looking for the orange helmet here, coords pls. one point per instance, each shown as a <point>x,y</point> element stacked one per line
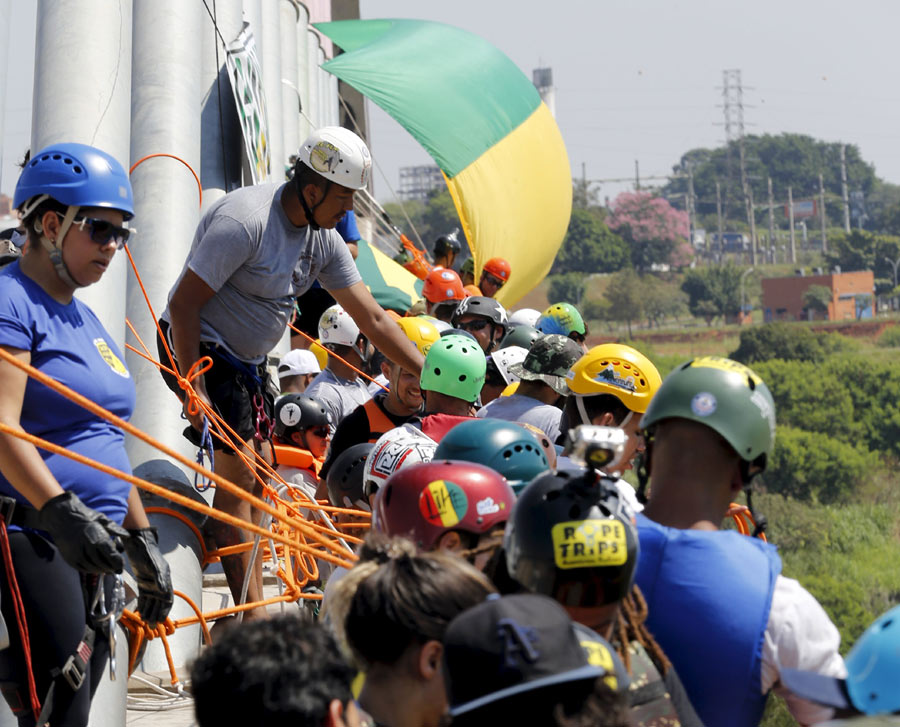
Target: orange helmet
<point>472,290</point>
<point>498,267</point>
<point>443,285</point>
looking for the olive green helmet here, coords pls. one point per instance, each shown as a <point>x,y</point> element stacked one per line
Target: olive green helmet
<point>724,395</point>
<point>455,366</point>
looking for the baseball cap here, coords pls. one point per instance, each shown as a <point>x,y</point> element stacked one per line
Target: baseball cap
<point>510,645</point>
<point>873,673</point>
<point>599,652</point>
<point>549,360</point>
<point>298,361</point>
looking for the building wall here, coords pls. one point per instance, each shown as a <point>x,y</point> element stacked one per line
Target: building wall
<point>782,298</point>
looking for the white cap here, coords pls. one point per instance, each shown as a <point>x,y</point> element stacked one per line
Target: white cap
<point>298,362</point>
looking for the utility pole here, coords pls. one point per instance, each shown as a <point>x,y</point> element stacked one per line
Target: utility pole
<point>637,176</point>
<point>822,213</point>
<point>844,194</point>
<point>733,110</point>
<point>791,218</point>
<point>752,218</point>
<point>721,228</point>
<point>772,242</point>
<point>690,203</point>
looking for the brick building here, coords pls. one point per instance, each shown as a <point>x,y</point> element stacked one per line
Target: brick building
<point>852,296</point>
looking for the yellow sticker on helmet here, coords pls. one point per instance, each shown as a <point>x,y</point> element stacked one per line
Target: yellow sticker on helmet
<point>589,543</point>
<point>725,364</point>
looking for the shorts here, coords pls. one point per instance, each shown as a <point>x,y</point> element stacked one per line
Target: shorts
<point>230,391</point>
<point>310,307</point>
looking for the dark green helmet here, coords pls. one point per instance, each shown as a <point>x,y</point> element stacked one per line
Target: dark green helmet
<point>724,395</point>
<point>505,447</point>
<point>520,335</point>
<point>572,537</point>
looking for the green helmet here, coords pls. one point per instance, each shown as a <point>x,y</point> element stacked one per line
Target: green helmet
<point>505,447</point>
<point>468,266</point>
<point>562,318</point>
<point>455,366</point>
<point>724,395</point>
<point>519,335</point>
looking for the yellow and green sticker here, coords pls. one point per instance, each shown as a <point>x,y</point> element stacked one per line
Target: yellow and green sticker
<point>111,359</point>
<point>589,543</point>
<point>443,503</point>
<point>726,364</point>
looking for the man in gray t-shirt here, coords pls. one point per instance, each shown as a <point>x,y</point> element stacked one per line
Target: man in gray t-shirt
<point>255,251</point>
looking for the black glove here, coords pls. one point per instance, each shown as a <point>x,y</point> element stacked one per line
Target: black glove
<point>87,540</point>
<point>152,573</point>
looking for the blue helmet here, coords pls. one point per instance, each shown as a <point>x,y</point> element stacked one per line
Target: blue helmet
<point>75,175</point>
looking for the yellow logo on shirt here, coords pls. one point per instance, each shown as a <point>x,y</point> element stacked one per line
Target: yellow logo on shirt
<point>111,359</point>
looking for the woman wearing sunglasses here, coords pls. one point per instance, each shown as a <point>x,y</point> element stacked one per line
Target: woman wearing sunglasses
<point>66,524</point>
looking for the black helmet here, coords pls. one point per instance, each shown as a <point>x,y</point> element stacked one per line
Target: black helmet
<point>520,335</point>
<point>479,305</point>
<point>572,537</point>
<point>296,412</point>
<point>447,243</point>
<point>345,478</point>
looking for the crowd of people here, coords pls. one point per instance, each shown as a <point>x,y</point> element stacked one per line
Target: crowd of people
<point>511,575</point>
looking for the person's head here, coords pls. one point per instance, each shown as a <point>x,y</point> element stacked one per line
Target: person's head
<point>73,200</point>
<point>548,362</point>
<point>506,447</point>
<point>274,671</point>
<point>400,447</point>
<point>446,248</point>
<point>404,392</point>
<point>612,386</point>
<point>524,317</point>
<point>494,275</point>
<point>520,334</point>
<point>564,319</point>
<point>345,480</point>
<point>446,505</point>
<point>572,537</point>
<point>392,609</point>
<point>520,656</point>
<point>301,421</point>
<point>339,334</point>
<point>498,375</point>
<point>484,318</point>
<point>332,164</point>
<point>726,412</point>
<point>454,367</point>
<point>297,369</point>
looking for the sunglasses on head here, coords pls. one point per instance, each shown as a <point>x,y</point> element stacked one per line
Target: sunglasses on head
<point>102,231</point>
<point>475,325</point>
<point>320,432</point>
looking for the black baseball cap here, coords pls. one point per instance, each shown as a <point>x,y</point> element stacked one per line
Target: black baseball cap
<point>509,645</point>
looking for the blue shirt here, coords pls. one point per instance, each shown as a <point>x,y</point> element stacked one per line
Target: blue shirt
<point>68,343</point>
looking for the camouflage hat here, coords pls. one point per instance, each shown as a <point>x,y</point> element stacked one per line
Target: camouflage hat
<point>549,360</point>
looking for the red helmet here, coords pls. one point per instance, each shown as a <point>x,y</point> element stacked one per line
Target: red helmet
<point>443,285</point>
<point>498,267</point>
<point>424,501</point>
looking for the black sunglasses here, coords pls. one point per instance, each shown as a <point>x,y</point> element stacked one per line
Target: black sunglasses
<point>320,432</point>
<point>475,325</point>
<point>102,231</point>
<point>495,280</point>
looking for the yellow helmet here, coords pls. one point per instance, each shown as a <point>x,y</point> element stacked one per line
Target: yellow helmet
<point>420,332</point>
<point>623,372</point>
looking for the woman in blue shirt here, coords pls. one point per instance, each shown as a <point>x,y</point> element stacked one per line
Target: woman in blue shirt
<point>67,523</point>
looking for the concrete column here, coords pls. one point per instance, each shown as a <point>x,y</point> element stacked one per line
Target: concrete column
<point>313,106</point>
<point>253,16</point>
<point>166,86</point>
<point>303,70</point>
<point>324,113</point>
<point>82,93</point>
<point>290,104</point>
<point>335,101</point>
<point>221,147</point>
<point>270,60</point>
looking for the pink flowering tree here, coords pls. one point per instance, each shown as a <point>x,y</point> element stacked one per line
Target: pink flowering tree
<point>652,227</point>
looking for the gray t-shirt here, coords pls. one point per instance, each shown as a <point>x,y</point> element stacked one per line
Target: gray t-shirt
<point>258,262</point>
<point>525,410</point>
<point>338,396</point>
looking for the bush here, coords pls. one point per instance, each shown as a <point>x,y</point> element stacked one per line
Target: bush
<point>567,288</point>
<point>778,340</point>
<point>890,338</point>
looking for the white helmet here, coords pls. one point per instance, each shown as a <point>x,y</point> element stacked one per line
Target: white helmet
<point>524,316</point>
<point>396,448</point>
<point>506,357</point>
<point>339,155</point>
<point>337,327</point>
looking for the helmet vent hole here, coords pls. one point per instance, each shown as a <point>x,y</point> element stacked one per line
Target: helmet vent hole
<point>77,170</point>
<point>67,161</point>
<point>462,377</point>
<point>45,157</point>
<point>751,383</point>
<point>551,496</point>
<point>57,157</point>
<point>887,624</point>
<point>518,448</point>
<point>643,383</point>
<point>507,454</point>
<point>437,371</point>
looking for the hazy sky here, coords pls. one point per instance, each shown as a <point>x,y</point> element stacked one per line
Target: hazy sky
<point>636,79</point>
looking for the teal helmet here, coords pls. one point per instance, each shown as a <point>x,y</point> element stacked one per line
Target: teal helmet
<point>505,447</point>
<point>454,366</point>
<point>726,396</point>
<point>561,318</point>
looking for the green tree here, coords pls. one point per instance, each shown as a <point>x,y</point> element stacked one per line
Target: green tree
<point>786,341</point>
<point>624,295</point>
<point>590,246</point>
<point>863,250</point>
<point>817,298</point>
<point>713,291</point>
<point>662,300</point>
<point>440,217</point>
<point>567,288</point>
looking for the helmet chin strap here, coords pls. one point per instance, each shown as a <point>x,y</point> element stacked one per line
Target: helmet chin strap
<point>54,248</point>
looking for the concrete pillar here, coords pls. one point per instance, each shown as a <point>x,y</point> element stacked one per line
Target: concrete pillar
<point>335,101</point>
<point>290,103</point>
<point>313,106</point>
<point>82,93</point>
<point>166,86</point>
<point>221,147</point>
<point>303,70</point>
<point>253,16</point>
<point>324,114</point>
<point>270,60</point>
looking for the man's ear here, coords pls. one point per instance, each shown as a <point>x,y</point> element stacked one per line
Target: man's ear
<point>450,541</point>
<point>430,659</point>
<point>606,419</point>
<point>386,369</point>
<point>335,715</point>
<point>313,194</point>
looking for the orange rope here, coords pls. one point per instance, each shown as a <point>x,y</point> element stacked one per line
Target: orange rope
<point>177,159</point>
<point>743,520</point>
